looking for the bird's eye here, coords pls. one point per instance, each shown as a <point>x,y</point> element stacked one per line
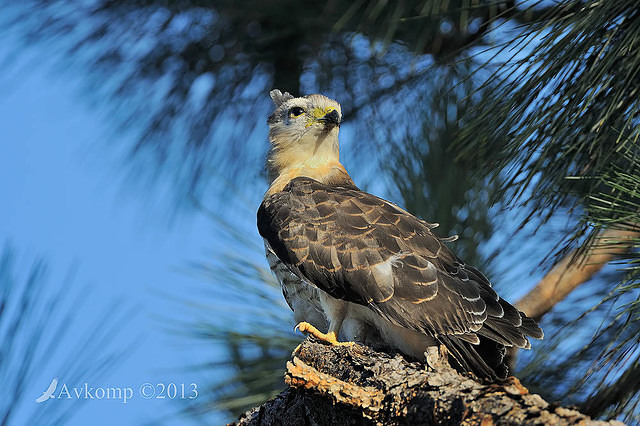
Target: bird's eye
<point>296,112</point>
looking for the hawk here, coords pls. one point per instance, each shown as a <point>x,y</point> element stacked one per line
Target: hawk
<point>363,269</point>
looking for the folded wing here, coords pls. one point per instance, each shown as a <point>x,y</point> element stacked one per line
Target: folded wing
<point>363,249</point>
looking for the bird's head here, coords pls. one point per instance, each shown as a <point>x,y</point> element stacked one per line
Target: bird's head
<point>303,132</point>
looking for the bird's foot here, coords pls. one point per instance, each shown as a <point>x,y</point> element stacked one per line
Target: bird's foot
<point>329,337</point>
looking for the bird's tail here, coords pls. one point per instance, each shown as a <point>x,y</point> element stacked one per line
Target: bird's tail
<point>485,360</point>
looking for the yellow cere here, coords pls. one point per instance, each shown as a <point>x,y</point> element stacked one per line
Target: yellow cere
<point>317,113</point>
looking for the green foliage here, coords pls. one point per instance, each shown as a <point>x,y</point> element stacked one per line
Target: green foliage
<point>559,120</point>
<point>563,125</point>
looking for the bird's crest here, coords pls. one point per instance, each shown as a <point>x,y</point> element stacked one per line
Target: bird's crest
<point>279,98</point>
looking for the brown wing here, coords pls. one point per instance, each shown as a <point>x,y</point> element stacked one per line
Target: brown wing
<point>360,248</point>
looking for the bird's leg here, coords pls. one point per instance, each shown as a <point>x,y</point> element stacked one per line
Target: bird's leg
<point>335,310</point>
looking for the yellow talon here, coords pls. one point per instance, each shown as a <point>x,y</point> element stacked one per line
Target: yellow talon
<point>329,337</point>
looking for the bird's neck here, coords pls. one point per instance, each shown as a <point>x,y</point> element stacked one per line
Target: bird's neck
<point>329,173</point>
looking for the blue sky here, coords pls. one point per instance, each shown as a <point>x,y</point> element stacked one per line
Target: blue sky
<point>63,199</point>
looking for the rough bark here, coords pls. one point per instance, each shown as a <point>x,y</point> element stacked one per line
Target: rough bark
<point>574,270</point>
<point>338,385</point>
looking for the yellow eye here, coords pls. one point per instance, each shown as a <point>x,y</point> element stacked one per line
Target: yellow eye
<point>296,112</point>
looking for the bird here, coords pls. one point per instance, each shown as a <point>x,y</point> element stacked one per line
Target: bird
<point>354,267</point>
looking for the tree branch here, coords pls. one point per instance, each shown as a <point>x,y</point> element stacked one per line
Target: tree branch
<point>336,385</point>
<point>575,269</point>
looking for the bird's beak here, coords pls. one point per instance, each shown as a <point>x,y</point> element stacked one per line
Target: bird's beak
<point>330,119</point>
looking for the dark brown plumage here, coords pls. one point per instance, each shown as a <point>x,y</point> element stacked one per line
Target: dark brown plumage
<point>365,250</point>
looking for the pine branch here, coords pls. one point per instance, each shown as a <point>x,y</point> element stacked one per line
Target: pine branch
<point>332,385</point>
<point>626,385</point>
<point>575,269</point>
